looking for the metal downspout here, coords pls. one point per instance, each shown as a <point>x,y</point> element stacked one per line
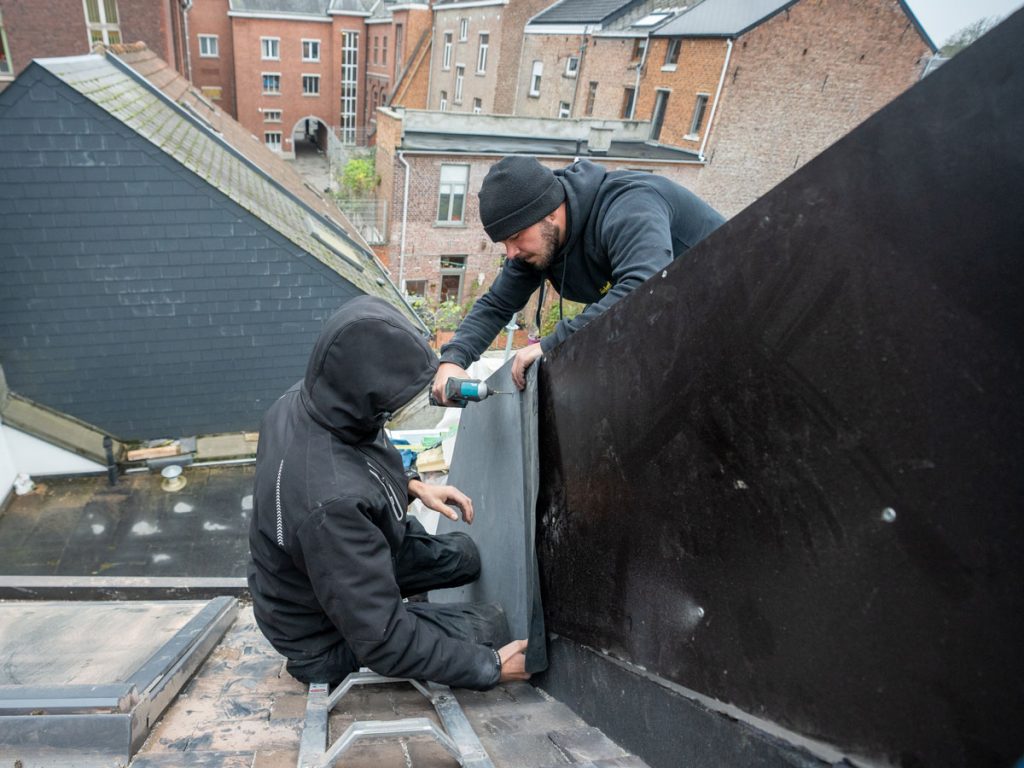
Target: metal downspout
<point>639,70</point>
<point>714,107</point>
<point>405,216</point>
<point>186,6</point>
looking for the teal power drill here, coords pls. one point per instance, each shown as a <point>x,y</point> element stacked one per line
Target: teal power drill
<point>460,392</point>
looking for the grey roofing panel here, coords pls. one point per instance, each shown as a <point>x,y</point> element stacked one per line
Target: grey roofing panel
<point>722,18</point>
<point>581,11</point>
<point>527,145</point>
<point>305,7</point>
<point>351,6</point>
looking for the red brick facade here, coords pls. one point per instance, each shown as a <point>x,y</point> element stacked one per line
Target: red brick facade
<point>38,30</point>
<point>214,75</point>
<point>254,101</point>
<point>799,82</point>
<point>411,88</point>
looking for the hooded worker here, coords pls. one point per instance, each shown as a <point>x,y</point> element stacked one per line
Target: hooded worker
<point>333,551</point>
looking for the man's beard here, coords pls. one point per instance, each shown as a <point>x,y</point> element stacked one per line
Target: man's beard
<point>549,235</point>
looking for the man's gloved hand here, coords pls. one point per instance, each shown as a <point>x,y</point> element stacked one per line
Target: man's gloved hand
<point>444,372</point>
<point>441,498</point>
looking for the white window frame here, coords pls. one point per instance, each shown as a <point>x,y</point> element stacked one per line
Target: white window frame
<point>481,55</point>
<point>460,79</point>
<point>443,105</point>
<point>463,29</point>
<point>310,79</point>
<point>7,70</point>
<point>564,109</point>
<point>311,45</point>
<point>478,106</point>
<point>209,47</point>
<point>675,44</point>
<point>269,141</point>
<point>270,48</point>
<point>454,187</point>
<point>700,107</point>
<point>536,75</point>
<point>446,55</point>
<point>572,66</point>
<point>271,115</point>
<point>263,78</point>
<point>104,28</point>
<point>349,85</point>
<point>456,267</point>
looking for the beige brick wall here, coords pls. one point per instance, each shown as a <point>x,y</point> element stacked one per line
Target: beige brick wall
<point>798,83</point>
<point>553,51</point>
<point>487,20</point>
<point>608,61</point>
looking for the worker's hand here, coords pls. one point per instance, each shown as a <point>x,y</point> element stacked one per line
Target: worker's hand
<point>524,359</point>
<point>444,372</point>
<point>513,661</point>
<point>441,498</point>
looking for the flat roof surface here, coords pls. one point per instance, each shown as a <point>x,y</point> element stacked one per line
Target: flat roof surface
<point>82,526</point>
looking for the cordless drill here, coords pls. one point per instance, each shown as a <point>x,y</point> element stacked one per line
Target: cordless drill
<point>460,392</point>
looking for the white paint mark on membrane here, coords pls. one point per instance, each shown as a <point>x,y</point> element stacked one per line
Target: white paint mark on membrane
<point>98,529</point>
<point>208,526</point>
<point>144,529</point>
<point>182,507</point>
<point>161,558</point>
<point>247,502</point>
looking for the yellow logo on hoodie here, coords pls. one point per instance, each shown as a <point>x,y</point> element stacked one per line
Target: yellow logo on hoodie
<point>605,288</point>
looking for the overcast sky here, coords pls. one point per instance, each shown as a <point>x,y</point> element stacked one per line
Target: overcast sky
<point>942,18</point>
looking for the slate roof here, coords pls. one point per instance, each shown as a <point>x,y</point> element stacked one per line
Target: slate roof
<point>731,18</point>
<point>583,11</point>
<point>723,18</point>
<point>301,7</point>
<point>224,154</point>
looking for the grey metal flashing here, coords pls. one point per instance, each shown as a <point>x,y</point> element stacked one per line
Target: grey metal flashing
<point>104,724</point>
<point>584,12</point>
<point>120,587</point>
<point>57,428</point>
<point>465,144</point>
<point>917,25</point>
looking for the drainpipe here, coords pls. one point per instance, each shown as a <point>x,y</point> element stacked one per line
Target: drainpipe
<point>714,107</point>
<point>186,6</point>
<point>405,216</point>
<point>639,70</point>
<point>579,68</point>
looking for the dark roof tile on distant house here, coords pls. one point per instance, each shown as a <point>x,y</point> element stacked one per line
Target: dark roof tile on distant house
<point>303,7</point>
<point>583,12</point>
<point>731,18</point>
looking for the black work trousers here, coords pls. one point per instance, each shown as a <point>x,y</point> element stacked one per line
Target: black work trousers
<point>424,562</point>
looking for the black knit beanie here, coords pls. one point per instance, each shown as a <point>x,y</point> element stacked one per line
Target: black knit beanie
<point>517,193</point>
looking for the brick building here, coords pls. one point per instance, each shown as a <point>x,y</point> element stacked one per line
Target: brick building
<point>211,55</point>
<point>758,89</point>
<point>432,165</point>
<point>397,58</point>
<point>556,45</point>
<point>30,30</point>
<point>476,52</point>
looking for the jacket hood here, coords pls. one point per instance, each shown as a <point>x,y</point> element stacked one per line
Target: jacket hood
<point>581,180</point>
<point>368,362</point>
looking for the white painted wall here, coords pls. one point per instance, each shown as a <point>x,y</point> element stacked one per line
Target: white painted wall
<point>20,452</point>
<point>7,470</point>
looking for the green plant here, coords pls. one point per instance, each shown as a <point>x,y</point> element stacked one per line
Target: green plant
<point>448,315</point>
<point>554,315</point>
<point>359,176</point>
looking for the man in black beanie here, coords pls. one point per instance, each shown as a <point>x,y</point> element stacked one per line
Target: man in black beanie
<point>594,234</point>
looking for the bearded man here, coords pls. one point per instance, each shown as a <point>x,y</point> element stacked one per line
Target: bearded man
<point>594,234</point>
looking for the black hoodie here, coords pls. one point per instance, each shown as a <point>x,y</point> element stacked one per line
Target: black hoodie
<point>622,228</point>
<point>330,503</point>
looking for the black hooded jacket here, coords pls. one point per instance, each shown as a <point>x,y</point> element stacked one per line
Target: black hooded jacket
<point>622,228</point>
<point>330,503</point>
